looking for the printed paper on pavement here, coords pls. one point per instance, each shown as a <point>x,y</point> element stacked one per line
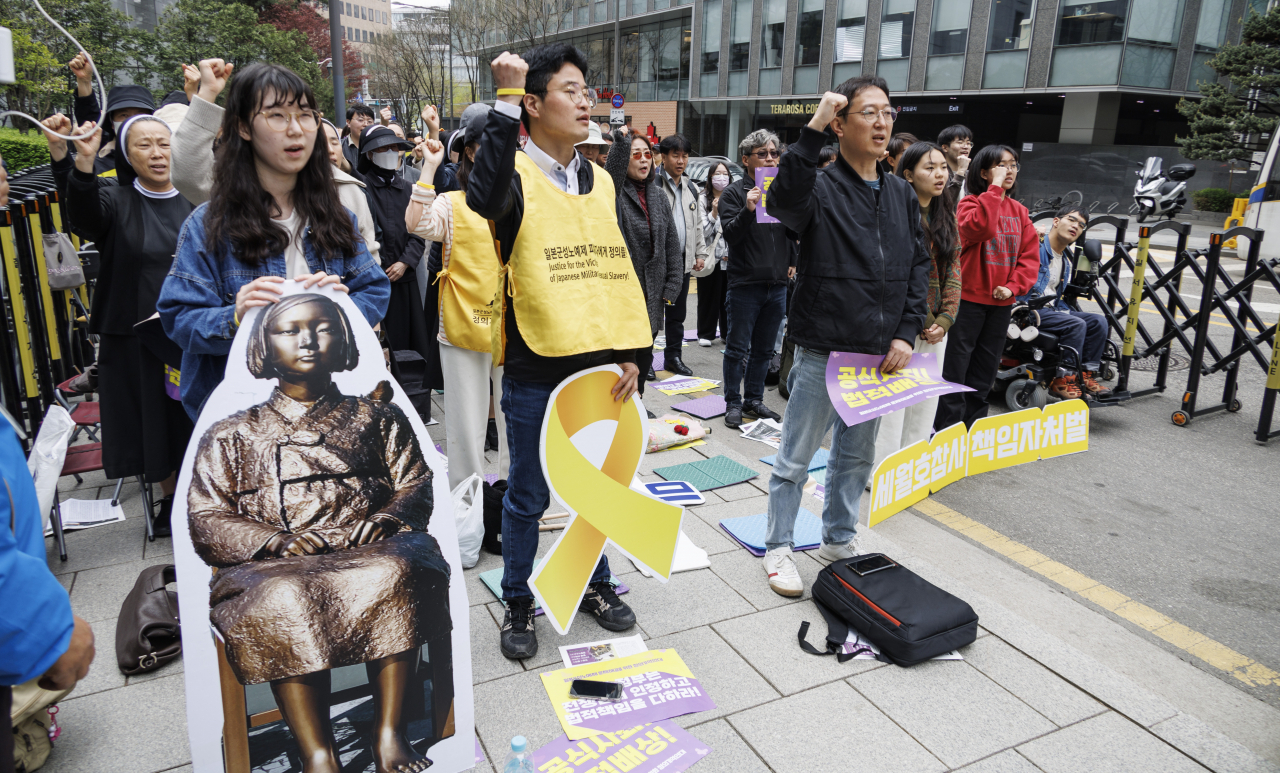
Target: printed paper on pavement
<point>656,685</point>
<point>860,392</point>
<point>661,746</point>
<point>600,651</point>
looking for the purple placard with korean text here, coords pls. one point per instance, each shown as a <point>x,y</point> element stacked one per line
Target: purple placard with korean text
<point>860,392</point>
<point>651,748</point>
<point>764,179</point>
<point>649,697</point>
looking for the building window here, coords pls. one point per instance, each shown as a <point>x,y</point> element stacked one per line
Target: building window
<point>1093,44</point>
<point>739,47</point>
<point>1151,43</point>
<point>710,66</point>
<point>851,35</point>
<point>1087,21</point>
<point>948,39</point>
<point>895,42</point>
<point>804,79</point>
<point>773,24</point>
<point>1211,33</point>
<point>348,9</point>
<point>1008,38</point>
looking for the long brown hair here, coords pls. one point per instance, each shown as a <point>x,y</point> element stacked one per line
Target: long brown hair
<point>941,234</point>
<point>240,209</point>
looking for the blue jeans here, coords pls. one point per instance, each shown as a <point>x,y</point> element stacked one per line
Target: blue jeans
<point>1082,331</point>
<point>524,403</point>
<point>755,313</point>
<point>853,450</point>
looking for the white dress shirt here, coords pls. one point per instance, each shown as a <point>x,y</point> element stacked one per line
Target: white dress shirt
<point>549,166</point>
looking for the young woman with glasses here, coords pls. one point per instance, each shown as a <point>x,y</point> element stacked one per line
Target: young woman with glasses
<point>649,228</point>
<point>999,259</point>
<point>274,214</point>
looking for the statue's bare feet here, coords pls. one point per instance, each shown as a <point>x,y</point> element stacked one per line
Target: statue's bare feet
<point>392,754</point>
<point>322,761</point>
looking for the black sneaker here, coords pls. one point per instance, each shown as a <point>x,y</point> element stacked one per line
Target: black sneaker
<point>733,417</point>
<point>761,411</point>
<point>611,612</point>
<point>491,436</point>
<point>519,639</point>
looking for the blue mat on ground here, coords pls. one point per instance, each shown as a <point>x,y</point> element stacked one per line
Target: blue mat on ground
<point>750,531</point>
<point>818,461</point>
<point>492,580</point>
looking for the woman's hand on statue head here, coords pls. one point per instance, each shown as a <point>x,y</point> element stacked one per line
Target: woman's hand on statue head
<point>321,279</point>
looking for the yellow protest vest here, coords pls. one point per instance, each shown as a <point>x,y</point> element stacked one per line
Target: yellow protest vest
<point>570,276</point>
<point>470,281</point>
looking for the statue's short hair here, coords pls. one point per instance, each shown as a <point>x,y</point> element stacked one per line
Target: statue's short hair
<point>259,359</point>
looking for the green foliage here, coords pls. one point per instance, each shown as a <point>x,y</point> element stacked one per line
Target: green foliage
<point>1227,123</point>
<point>36,84</point>
<point>20,151</point>
<point>1213,200</point>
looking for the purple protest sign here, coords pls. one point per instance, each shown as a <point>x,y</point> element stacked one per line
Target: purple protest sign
<point>860,392</point>
<point>640,749</point>
<point>764,179</point>
<point>648,697</point>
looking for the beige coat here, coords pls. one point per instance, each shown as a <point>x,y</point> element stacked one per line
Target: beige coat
<point>192,172</point>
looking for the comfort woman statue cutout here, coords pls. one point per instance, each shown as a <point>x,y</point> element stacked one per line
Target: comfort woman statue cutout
<point>317,542</point>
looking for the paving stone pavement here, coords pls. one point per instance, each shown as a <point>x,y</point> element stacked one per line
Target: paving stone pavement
<point>1020,701</point>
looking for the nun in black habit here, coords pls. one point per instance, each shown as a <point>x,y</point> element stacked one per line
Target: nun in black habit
<point>135,225</point>
<point>405,326</point>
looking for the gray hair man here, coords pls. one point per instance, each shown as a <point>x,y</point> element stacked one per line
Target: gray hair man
<point>761,258</point>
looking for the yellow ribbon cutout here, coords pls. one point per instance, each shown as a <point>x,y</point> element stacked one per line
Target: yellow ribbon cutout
<point>601,503</point>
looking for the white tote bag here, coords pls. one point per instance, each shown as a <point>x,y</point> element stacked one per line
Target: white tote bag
<point>468,510</point>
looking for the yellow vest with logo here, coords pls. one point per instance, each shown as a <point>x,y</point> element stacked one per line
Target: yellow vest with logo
<point>470,281</point>
<point>570,276</point>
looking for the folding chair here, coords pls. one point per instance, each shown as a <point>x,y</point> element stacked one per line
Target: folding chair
<point>87,457</point>
<point>87,414</point>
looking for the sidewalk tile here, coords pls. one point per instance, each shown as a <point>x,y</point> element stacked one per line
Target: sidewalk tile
<point>116,543</point>
<point>487,662</point>
<point>183,769</point>
<point>650,462</point>
<point>1058,700</point>
<point>175,666</point>
<point>98,593</point>
<point>1008,761</point>
<point>830,728</point>
<point>103,673</point>
<point>740,491</point>
<point>1103,744</point>
<point>767,640</point>
<point>729,753</point>
<point>713,514</point>
<point>584,629</point>
<point>687,600</point>
<point>729,680</point>
<point>952,709</point>
<point>710,538</point>
<point>745,573</point>
<point>1209,747</point>
<point>163,546</point>
<point>515,705</point>
<point>478,592</point>
<point>140,729</point>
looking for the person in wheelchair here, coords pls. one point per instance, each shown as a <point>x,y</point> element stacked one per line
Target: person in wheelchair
<point>1082,331</point>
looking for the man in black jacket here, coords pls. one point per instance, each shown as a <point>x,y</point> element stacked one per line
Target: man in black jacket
<point>863,280</point>
<point>760,257</point>
<point>546,91</point>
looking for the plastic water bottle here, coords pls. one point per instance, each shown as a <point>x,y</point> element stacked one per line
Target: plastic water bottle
<point>519,759</point>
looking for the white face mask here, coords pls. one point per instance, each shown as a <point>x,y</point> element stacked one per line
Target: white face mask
<point>387,159</point>
<point>720,181</point>
<point>115,125</point>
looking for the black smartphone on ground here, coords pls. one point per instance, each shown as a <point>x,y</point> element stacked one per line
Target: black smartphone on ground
<point>871,564</point>
<point>596,691</point>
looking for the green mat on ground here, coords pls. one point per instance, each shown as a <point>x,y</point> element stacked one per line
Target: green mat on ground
<point>713,473</point>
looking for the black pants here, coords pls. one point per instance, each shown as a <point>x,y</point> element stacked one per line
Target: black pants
<point>974,345</point>
<point>712,290</point>
<point>676,313</point>
<point>644,361</point>
<point>6,730</point>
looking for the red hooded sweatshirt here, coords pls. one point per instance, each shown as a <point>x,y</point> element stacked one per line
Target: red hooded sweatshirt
<point>999,247</point>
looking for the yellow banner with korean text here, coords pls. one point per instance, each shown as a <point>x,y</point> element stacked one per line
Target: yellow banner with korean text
<point>993,443</point>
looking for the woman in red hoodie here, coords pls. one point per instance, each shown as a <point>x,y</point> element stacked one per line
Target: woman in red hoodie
<point>999,259</point>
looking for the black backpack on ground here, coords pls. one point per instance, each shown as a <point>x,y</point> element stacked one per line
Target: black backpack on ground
<point>492,542</point>
<point>909,618</point>
<point>410,370</point>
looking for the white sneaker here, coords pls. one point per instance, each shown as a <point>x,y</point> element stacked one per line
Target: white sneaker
<point>784,578</point>
<point>828,553</point>
<point>660,342</point>
<point>703,342</point>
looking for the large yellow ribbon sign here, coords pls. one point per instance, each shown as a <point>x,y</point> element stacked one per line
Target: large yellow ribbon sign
<point>602,505</point>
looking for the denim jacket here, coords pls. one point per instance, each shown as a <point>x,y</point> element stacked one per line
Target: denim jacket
<point>1042,281</point>
<point>197,300</point>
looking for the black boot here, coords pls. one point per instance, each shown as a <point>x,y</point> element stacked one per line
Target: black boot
<point>651,376</point>
<point>160,525</point>
<point>491,436</point>
<point>676,365</point>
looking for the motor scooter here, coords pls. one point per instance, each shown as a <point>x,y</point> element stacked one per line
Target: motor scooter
<point>1158,194</point>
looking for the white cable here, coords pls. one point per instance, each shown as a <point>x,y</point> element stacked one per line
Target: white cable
<point>101,89</point>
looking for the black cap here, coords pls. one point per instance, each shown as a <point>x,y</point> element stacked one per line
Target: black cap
<point>121,97</point>
<point>381,138</point>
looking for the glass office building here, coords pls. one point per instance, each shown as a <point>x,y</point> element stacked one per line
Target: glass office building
<point>1098,72</point>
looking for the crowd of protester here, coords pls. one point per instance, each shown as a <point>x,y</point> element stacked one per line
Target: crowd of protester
<point>878,243</point>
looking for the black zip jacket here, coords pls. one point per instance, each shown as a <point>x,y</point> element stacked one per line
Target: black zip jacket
<point>759,253</point>
<point>863,274</point>
<point>494,192</point>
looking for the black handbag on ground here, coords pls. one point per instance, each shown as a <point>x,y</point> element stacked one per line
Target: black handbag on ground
<point>147,633</point>
<point>909,618</point>
<point>492,542</point>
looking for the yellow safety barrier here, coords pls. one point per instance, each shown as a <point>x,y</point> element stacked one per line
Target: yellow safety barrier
<point>1234,219</point>
<point>42,276</point>
<point>25,354</point>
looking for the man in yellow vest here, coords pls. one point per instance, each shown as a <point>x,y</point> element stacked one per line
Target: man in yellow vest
<point>568,295</point>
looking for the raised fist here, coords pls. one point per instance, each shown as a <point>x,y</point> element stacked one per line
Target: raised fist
<point>509,72</point>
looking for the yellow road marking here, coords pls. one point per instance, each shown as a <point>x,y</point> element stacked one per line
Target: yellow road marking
<point>1190,641</point>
